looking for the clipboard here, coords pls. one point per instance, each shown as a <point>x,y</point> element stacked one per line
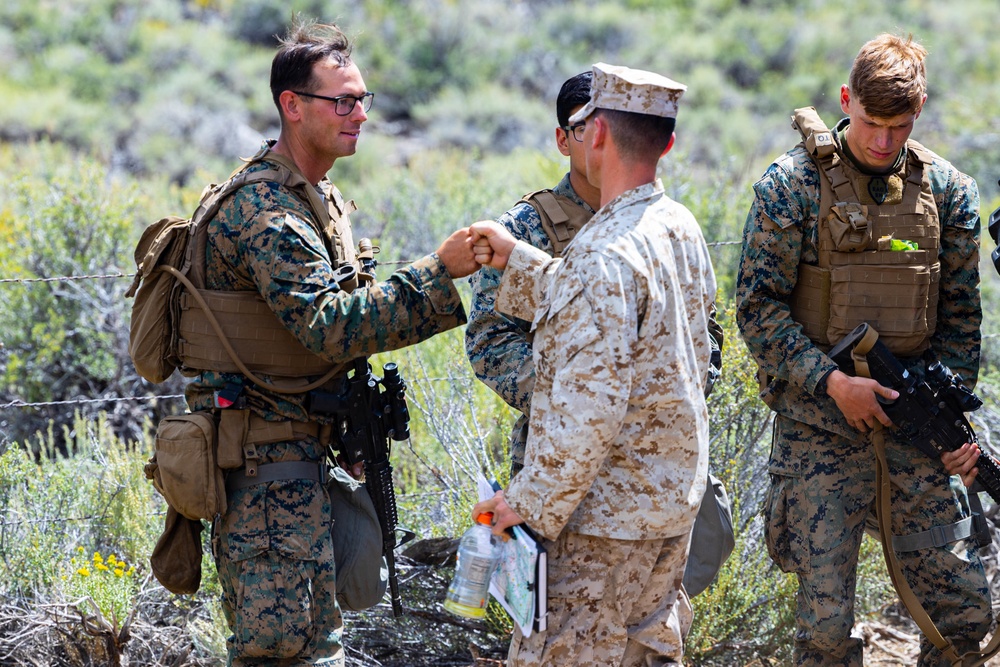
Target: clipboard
<point>520,582</point>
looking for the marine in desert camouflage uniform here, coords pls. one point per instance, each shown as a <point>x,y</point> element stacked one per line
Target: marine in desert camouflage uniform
<point>498,346</point>
<point>822,461</point>
<point>618,442</point>
<point>273,547</point>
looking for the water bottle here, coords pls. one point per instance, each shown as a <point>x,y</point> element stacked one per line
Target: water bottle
<point>478,555</point>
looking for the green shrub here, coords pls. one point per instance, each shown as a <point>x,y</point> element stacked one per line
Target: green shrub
<point>97,499</point>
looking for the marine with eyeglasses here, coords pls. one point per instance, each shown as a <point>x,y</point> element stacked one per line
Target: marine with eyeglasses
<point>290,242</point>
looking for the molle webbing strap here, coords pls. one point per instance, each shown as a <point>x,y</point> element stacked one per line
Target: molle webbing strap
<point>223,340</point>
<point>810,302</point>
<point>260,340</point>
<point>864,295</point>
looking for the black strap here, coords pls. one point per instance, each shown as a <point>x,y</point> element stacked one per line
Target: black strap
<point>271,472</point>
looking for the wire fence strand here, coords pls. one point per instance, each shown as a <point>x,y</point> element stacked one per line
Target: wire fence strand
<point>97,276</point>
<point>112,399</point>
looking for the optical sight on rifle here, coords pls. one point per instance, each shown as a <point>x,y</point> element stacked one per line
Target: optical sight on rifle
<point>929,413</point>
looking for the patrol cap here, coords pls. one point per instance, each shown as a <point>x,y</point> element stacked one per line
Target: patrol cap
<point>624,89</point>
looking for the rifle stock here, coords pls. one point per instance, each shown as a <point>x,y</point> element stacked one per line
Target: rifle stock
<point>929,413</point>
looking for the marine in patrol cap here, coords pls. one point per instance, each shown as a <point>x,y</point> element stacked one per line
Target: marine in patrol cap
<point>624,89</point>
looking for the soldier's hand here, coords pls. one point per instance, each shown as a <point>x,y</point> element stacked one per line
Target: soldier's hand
<point>357,471</point>
<point>962,462</point>
<point>856,398</point>
<point>456,254</point>
<point>503,516</point>
<point>492,243</point>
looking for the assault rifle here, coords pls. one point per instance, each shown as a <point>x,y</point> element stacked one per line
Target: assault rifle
<point>931,413</point>
<point>373,412</point>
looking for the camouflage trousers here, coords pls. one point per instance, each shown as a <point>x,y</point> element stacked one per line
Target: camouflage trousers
<point>610,602</point>
<point>822,495</point>
<point>274,554</point>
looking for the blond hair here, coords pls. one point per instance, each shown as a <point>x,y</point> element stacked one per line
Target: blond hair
<point>888,77</point>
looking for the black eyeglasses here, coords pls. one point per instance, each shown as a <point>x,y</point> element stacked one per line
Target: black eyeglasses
<point>344,103</point>
<point>575,130</point>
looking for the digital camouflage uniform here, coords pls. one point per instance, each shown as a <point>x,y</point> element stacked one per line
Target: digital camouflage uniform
<point>273,547</point>
<point>499,347</point>
<point>618,443</point>
<point>822,470</point>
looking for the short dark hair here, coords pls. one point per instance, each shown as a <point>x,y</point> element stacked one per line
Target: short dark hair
<point>575,92</point>
<point>305,44</point>
<point>639,136</point>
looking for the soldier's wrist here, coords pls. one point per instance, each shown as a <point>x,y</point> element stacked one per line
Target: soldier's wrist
<point>821,388</point>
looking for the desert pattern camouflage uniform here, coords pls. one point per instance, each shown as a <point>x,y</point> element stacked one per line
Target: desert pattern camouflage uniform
<point>618,442</point>
<point>822,470</point>
<point>499,347</point>
<point>273,547</point>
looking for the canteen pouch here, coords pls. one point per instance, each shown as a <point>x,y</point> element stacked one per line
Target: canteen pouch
<point>712,538</point>
<point>176,558</point>
<point>184,469</point>
<point>362,573</point>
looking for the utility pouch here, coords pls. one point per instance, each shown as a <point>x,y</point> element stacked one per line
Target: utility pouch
<point>233,427</point>
<point>183,468</point>
<point>849,227</point>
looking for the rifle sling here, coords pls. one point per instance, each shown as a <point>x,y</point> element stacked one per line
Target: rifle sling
<point>883,510</point>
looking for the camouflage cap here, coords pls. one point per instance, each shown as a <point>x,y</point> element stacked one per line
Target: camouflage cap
<point>625,89</point>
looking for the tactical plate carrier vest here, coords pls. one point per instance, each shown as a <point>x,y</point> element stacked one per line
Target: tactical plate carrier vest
<point>878,242</point>
<point>179,323</point>
<point>560,216</point>
<point>262,342</point>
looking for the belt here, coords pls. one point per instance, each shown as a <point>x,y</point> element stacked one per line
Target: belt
<point>272,472</point>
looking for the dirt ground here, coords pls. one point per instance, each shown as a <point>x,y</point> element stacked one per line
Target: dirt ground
<point>894,643</point>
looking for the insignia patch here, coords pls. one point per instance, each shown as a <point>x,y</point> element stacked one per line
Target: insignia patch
<point>878,188</point>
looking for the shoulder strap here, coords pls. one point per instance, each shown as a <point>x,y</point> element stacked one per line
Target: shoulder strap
<point>194,257</point>
<point>192,273</point>
<point>818,141</point>
<point>560,216</point>
<point>816,136</point>
<point>883,511</point>
<point>287,175</point>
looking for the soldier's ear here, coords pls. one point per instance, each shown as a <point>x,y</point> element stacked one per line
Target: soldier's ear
<point>562,141</point>
<point>289,102</point>
<point>670,144</point>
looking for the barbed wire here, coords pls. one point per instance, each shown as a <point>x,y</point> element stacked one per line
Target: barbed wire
<point>17,403</point>
<point>97,276</point>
